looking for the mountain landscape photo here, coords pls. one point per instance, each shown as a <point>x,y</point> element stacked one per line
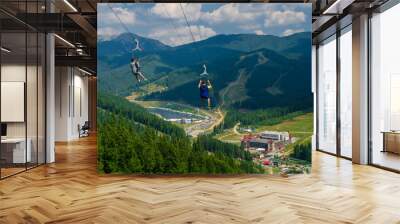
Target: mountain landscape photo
<point>259,119</point>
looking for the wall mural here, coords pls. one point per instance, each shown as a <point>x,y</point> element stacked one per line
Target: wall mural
<point>204,88</point>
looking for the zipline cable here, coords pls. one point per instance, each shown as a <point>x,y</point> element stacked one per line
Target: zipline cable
<point>172,23</point>
<point>187,22</point>
<point>120,20</point>
<point>128,31</point>
<point>191,33</point>
<point>123,26</point>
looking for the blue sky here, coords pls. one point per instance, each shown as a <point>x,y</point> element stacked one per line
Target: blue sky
<point>165,21</point>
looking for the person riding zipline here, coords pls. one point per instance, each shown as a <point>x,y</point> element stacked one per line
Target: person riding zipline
<point>204,87</point>
<point>135,67</point>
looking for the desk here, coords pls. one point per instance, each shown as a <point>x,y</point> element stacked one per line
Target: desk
<point>13,150</point>
<point>391,141</point>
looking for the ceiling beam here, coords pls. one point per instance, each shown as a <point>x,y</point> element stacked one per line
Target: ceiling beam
<point>86,26</point>
<point>81,61</point>
<point>337,7</point>
<point>49,22</point>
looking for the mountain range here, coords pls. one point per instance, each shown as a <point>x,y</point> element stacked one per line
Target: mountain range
<point>247,71</point>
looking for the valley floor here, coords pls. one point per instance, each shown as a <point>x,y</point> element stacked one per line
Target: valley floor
<point>214,117</point>
<point>71,191</point>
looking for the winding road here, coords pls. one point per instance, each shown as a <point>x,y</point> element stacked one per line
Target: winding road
<point>206,125</point>
<point>235,128</point>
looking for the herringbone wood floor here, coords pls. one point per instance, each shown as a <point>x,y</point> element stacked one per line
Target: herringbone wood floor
<point>70,191</point>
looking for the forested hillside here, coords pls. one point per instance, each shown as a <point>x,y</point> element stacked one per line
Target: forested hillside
<point>133,141</point>
<point>138,114</point>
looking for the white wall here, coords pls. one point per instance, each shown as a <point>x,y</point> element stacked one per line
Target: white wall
<point>33,126</point>
<point>80,112</point>
<point>62,82</point>
<point>12,73</point>
<point>71,102</point>
<point>16,73</point>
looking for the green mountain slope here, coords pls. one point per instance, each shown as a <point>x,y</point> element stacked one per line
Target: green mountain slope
<point>259,79</point>
<point>247,71</point>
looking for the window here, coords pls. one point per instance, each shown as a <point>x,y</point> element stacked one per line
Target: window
<point>327,95</point>
<point>346,92</point>
<point>385,89</point>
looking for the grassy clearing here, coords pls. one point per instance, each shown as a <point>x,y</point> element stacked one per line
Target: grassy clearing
<point>151,88</point>
<point>146,104</point>
<point>300,127</point>
<point>146,90</point>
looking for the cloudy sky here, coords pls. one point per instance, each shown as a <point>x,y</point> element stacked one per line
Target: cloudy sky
<point>166,22</point>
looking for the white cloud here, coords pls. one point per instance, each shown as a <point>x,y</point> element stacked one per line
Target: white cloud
<point>174,11</point>
<point>284,18</point>
<point>259,32</point>
<point>181,35</point>
<point>127,16</point>
<point>289,32</point>
<point>250,26</point>
<point>297,7</point>
<point>107,33</point>
<point>231,13</point>
<point>226,18</point>
<point>109,25</point>
<point>250,17</point>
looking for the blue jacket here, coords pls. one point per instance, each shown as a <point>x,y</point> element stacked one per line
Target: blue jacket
<point>204,91</point>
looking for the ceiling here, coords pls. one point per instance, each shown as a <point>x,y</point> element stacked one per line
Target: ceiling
<point>74,22</point>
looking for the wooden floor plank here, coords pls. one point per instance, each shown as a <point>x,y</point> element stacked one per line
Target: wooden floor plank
<point>71,191</point>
